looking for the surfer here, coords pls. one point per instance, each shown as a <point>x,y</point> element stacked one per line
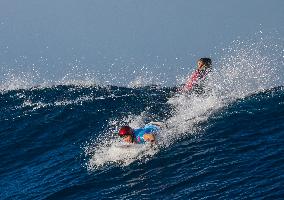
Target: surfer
<point>196,82</point>
<point>140,135</point>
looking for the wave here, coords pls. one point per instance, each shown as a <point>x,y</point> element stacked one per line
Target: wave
<point>242,72</point>
<point>58,137</point>
<point>59,132</point>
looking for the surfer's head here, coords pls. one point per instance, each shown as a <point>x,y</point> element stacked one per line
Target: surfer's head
<point>204,63</point>
<point>127,133</point>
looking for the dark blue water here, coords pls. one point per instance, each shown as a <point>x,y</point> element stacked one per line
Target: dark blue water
<point>236,152</point>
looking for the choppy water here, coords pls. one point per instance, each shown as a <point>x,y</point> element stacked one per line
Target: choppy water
<point>58,142</point>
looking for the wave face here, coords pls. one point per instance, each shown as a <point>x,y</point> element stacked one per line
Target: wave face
<point>59,142</point>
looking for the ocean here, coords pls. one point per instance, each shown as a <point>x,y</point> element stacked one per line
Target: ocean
<point>60,142</point>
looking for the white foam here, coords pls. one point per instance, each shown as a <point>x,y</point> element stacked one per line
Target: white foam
<point>115,153</point>
<point>188,112</point>
<point>243,69</point>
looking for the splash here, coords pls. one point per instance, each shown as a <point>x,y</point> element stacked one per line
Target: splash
<point>188,113</point>
<point>244,68</point>
<point>116,153</point>
<point>248,67</point>
<point>13,81</point>
<point>108,149</point>
<point>33,78</point>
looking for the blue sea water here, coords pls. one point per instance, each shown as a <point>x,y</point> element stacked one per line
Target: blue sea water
<point>58,138</point>
<point>59,142</point>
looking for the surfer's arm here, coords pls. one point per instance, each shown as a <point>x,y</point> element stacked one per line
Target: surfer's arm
<point>149,138</point>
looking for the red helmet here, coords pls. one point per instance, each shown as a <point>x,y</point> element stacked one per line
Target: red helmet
<point>125,130</point>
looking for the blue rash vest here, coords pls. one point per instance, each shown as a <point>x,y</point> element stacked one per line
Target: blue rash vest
<point>140,132</point>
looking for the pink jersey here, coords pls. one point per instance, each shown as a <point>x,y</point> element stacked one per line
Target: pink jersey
<point>195,79</point>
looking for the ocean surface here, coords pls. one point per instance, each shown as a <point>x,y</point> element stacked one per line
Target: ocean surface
<point>58,138</point>
<point>60,142</point>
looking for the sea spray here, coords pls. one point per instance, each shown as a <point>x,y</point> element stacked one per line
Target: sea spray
<point>244,68</point>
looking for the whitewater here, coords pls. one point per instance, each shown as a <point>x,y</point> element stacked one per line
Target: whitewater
<point>59,138</point>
